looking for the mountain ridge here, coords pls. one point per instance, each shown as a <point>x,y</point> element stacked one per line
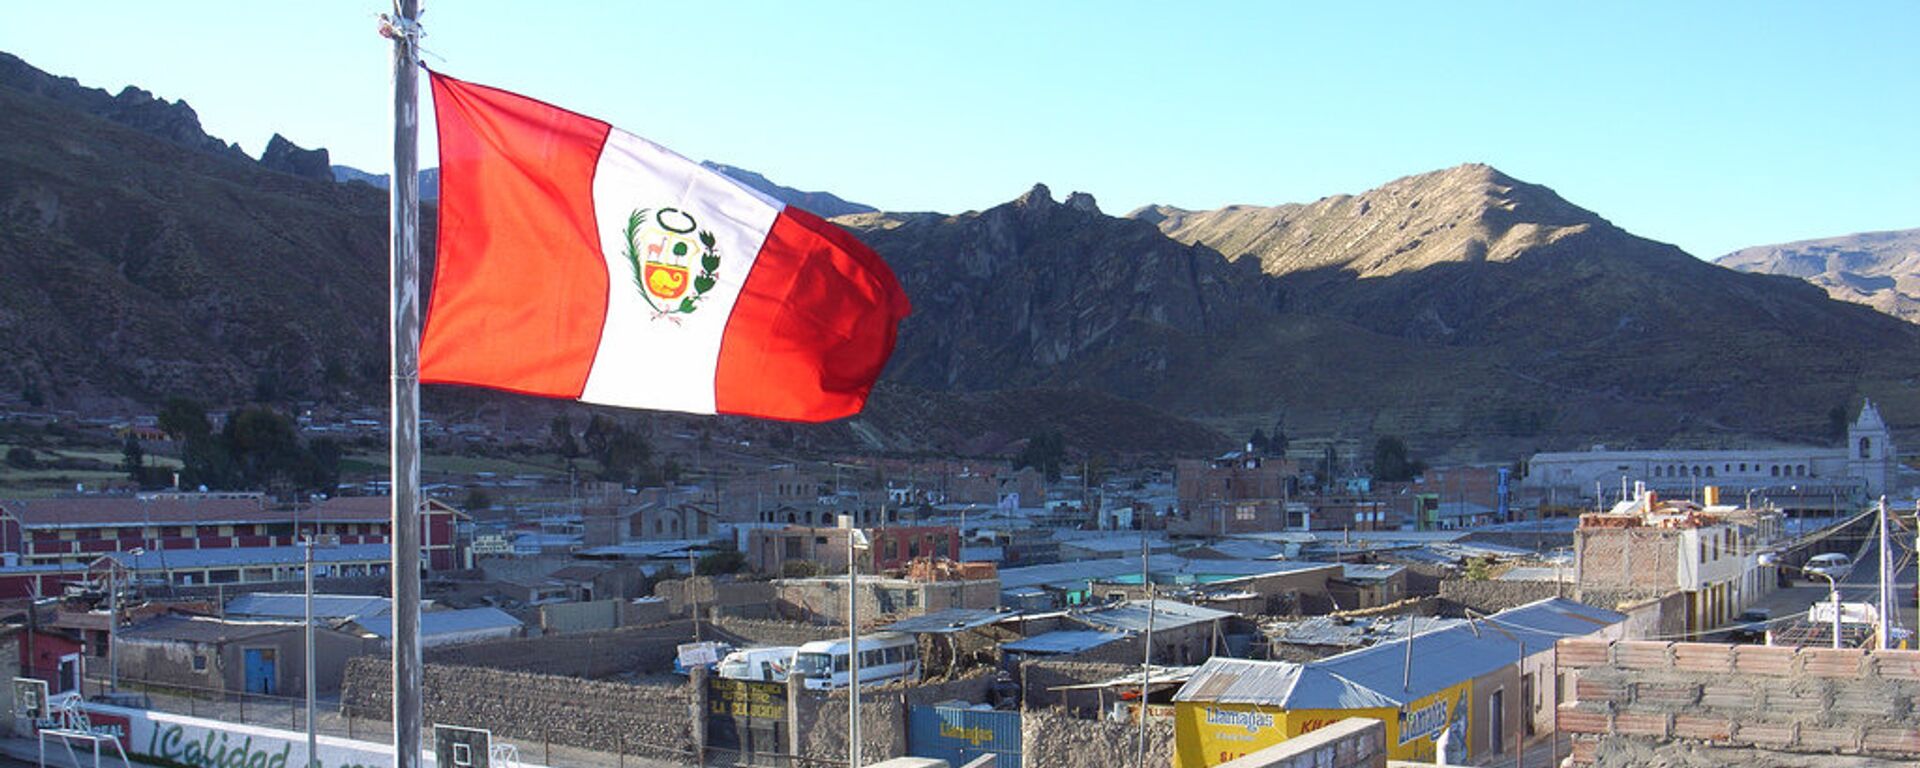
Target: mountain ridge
<point>1878,269</point>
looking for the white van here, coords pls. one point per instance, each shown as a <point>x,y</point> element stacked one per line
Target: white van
<point>884,658</point>
<point>1833,565</point>
<point>764,664</point>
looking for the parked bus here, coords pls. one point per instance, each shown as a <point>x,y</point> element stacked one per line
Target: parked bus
<point>884,658</point>
<point>763,664</point>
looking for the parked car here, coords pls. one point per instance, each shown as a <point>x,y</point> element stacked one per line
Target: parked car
<point>1832,565</point>
<point>1751,626</point>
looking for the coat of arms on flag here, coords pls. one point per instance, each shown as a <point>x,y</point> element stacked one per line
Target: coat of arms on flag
<point>661,247</point>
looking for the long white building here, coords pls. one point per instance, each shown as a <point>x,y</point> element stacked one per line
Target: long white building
<point>1864,466</point>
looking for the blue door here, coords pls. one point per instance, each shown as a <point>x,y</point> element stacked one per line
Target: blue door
<point>260,670</point>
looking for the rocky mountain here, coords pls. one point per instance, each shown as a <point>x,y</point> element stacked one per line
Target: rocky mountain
<point>1471,313</point>
<point>823,204</point>
<point>1461,308</point>
<point>138,267</point>
<point>1878,269</point>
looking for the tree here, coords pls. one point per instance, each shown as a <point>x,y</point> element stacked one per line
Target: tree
<point>133,459</point>
<point>1044,452</point>
<point>477,499</point>
<point>1837,422</point>
<point>624,455</point>
<point>1327,468</point>
<point>724,561</point>
<point>560,437</point>
<point>1390,460</point>
<point>184,419</point>
<point>264,446</point>
<point>1258,442</point>
<point>20,457</point>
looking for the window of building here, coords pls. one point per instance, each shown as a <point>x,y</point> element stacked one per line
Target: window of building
<point>1709,470</point>
<point>1866,449</point>
<point>199,662</point>
<point>1775,469</point>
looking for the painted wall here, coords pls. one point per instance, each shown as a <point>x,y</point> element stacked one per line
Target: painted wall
<point>1211,734</point>
<point>194,742</point>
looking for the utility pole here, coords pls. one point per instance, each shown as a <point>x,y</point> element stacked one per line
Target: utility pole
<point>1146,660</point>
<point>1886,581</point>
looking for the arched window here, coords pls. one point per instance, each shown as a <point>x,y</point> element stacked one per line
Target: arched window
<point>1776,470</point>
<point>1709,470</point>
<point>1866,447</point>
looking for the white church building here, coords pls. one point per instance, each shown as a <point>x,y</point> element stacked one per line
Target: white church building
<point>1863,468</point>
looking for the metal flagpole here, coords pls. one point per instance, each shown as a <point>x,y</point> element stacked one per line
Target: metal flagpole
<point>404,29</point>
<point>1146,657</point>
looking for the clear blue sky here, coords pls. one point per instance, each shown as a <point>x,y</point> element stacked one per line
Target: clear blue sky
<point>1712,126</point>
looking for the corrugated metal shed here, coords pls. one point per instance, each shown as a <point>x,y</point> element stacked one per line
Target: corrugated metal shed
<point>1063,641</point>
<point>1131,616</point>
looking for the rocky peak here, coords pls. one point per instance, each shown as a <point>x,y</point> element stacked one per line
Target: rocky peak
<point>1081,201</point>
<point>133,107</point>
<point>286,157</point>
<point>1039,198</point>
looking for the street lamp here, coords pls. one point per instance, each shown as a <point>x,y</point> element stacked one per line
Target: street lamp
<point>309,542</point>
<point>113,618</point>
<point>856,541</point>
<point>1833,588</point>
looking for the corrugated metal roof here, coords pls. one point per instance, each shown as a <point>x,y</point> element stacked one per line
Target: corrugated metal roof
<point>1444,657</point>
<point>269,605</point>
<point>445,622</point>
<point>1063,641</point>
<point>1374,676</point>
<point>202,629</point>
<point>1276,683</point>
<point>155,560</point>
<point>1369,571</point>
<point>949,621</point>
<point>1131,616</point>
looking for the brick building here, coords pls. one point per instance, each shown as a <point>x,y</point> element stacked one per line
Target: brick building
<point>770,549</point>
<point>1711,554</point>
<point>1233,493</point>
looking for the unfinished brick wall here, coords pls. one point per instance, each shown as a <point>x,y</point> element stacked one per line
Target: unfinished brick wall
<point>1639,700</point>
<point>1627,557</point>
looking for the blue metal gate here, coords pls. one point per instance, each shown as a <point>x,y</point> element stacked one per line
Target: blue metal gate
<point>956,734</point>
<point>260,667</point>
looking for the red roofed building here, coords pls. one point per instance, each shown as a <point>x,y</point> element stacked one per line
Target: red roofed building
<point>77,531</point>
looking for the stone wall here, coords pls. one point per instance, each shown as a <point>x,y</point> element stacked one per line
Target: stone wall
<point>650,719</point>
<point>1054,738</point>
<point>1491,596</point>
<point>1647,702</point>
<point>767,632</point>
<point>1037,677</point>
<point>593,655</point>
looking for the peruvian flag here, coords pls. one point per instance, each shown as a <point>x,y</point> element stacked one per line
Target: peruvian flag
<point>577,260</point>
